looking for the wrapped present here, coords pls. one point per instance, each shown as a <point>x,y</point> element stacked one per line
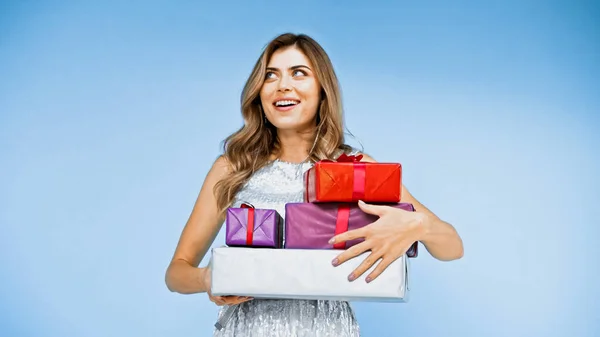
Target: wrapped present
<point>247,226</point>
<point>302,274</point>
<point>311,225</point>
<point>350,180</point>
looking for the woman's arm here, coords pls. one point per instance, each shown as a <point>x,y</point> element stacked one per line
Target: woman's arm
<point>183,275</point>
<point>440,238</point>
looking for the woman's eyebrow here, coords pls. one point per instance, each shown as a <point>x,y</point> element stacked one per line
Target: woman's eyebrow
<point>291,68</point>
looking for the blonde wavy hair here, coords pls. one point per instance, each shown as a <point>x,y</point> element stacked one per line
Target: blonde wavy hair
<point>251,147</point>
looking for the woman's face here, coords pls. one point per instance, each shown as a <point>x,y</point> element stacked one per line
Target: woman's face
<point>290,94</point>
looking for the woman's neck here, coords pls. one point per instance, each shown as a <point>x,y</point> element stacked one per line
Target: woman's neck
<point>294,146</point>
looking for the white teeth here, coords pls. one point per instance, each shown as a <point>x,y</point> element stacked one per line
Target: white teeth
<point>286,102</point>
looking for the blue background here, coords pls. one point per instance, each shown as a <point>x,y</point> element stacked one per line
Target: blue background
<point>111,115</point>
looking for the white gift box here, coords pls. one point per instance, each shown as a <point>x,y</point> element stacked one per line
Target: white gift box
<point>302,274</point>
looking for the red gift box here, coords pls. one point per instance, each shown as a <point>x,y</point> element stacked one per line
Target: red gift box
<point>350,180</point>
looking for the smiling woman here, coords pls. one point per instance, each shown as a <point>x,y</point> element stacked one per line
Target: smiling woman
<point>292,118</point>
<point>291,92</point>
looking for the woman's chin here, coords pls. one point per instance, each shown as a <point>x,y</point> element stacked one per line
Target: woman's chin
<point>295,127</point>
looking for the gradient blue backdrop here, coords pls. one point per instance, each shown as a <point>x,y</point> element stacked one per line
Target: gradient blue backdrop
<point>111,115</point>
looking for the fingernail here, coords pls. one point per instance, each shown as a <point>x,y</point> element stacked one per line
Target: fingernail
<point>335,262</point>
<point>331,241</point>
<point>368,279</point>
<point>361,202</point>
<point>351,277</point>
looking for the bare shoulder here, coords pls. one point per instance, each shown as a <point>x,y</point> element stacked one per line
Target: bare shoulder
<point>367,158</point>
<point>221,167</point>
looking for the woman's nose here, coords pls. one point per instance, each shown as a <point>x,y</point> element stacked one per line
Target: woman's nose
<point>284,84</point>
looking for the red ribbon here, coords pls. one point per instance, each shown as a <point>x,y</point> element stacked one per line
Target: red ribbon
<point>341,223</point>
<point>360,176</point>
<point>250,226</point>
<point>344,158</point>
<point>359,172</point>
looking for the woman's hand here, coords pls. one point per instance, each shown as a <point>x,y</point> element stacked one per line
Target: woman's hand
<point>388,238</point>
<point>221,300</point>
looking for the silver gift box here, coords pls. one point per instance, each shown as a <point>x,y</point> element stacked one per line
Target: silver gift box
<point>302,274</point>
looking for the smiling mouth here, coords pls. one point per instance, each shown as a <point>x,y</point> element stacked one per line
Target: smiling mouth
<point>286,103</point>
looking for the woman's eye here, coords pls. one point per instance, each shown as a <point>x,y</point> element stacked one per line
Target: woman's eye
<point>299,73</point>
<point>269,74</point>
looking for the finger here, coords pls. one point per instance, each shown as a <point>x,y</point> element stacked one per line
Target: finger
<point>218,300</point>
<point>378,210</point>
<point>349,235</point>
<point>381,266</point>
<point>232,300</point>
<point>364,266</point>
<point>244,299</point>
<point>351,253</point>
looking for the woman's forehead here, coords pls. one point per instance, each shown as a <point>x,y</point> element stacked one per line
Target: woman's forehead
<point>287,58</point>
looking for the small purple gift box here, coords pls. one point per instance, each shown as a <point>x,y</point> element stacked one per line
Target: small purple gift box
<point>311,225</point>
<point>249,227</point>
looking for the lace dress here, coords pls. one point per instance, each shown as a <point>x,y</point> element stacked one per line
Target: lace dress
<point>272,187</point>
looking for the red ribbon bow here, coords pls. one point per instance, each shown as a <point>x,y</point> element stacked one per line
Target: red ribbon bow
<point>344,158</point>
<point>250,226</point>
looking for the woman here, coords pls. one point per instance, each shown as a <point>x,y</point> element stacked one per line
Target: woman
<point>293,117</point>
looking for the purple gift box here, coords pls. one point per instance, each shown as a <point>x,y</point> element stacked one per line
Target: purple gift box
<point>249,227</point>
<point>311,225</point>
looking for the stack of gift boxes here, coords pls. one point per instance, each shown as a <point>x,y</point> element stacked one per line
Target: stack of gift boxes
<point>274,257</point>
